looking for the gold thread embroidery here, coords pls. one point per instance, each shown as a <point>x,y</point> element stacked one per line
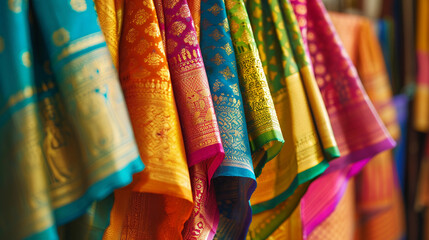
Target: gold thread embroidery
<point>60,37</point>
<point>191,39</point>
<point>78,5</point>
<point>26,59</point>
<point>171,3</point>
<point>235,89</point>
<point>217,59</point>
<point>177,28</point>
<point>227,74</point>
<point>216,35</point>
<point>1,44</point>
<point>153,59</point>
<point>142,46</point>
<point>225,24</point>
<point>184,11</point>
<point>140,17</point>
<point>131,35</point>
<point>153,30</point>
<point>164,74</point>
<point>217,85</point>
<point>215,9</point>
<point>227,48</point>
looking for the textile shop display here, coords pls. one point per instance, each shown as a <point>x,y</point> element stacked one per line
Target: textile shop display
<point>190,119</point>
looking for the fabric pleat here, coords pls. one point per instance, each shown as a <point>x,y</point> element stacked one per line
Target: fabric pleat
<point>301,159</point>
<point>62,114</point>
<point>359,132</point>
<point>146,82</point>
<point>266,139</point>
<point>234,180</point>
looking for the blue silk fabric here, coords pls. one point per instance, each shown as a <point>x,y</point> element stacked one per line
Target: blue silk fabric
<point>65,136</point>
<point>234,180</point>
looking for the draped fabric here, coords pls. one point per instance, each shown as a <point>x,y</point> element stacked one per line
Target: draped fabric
<point>90,225</point>
<point>289,229</point>
<point>379,204</point>
<point>146,82</point>
<point>197,115</point>
<point>64,127</point>
<point>110,18</point>
<point>267,222</point>
<point>234,180</point>
<point>195,105</point>
<point>342,223</point>
<point>358,130</point>
<point>266,139</point>
<point>421,111</point>
<point>300,160</point>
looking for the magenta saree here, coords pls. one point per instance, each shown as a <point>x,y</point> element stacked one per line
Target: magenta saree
<point>359,132</point>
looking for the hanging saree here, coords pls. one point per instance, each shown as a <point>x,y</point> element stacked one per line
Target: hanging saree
<point>264,131</point>
<point>301,159</point>
<point>378,201</point>
<point>64,125</point>
<point>421,110</point>
<point>110,18</point>
<point>358,130</point>
<point>234,180</point>
<point>197,115</point>
<point>145,80</point>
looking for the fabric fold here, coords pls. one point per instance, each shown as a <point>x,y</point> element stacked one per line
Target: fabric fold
<point>146,82</point>
<point>63,114</point>
<point>301,159</point>
<point>234,180</point>
<point>197,115</point>
<point>358,130</point>
<point>266,139</point>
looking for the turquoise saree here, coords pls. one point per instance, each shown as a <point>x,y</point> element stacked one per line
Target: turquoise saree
<point>65,135</point>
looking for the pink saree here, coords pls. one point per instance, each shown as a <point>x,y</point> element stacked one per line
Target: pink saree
<point>359,132</point>
<point>197,116</point>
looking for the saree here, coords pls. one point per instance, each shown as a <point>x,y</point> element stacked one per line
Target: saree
<point>234,180</point>
<point>197,114</point>
<point>378,201</point>
<point>146,82</point>
<point>266,139</point>
<point>349,109</point>
<point>64,126</point>
<point>301,159</point>
<point>421,111</point>
<point>110,18</point>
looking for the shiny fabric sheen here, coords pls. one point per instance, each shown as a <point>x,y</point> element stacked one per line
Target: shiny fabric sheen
<point>63,116</point>
<point>234,180</point>
<point>266,139</point>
